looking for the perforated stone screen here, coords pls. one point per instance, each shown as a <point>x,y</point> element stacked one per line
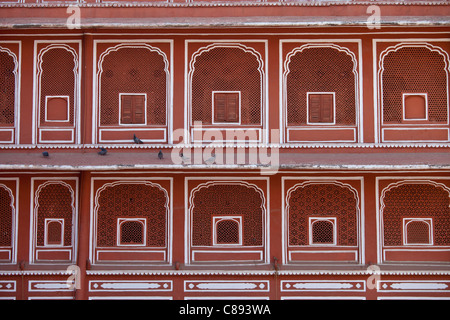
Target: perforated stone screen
<point>133,70</point>
<point>318,70</point>
<point>227,69</point>
<point>414,70</point>
<point>7,89</point>
<point>323,200</point>
<point>416,201</point>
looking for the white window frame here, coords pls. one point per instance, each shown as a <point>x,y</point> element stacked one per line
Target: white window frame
<point>321,123</point>
<point>428,221</point>
<point>213,111</point>
<point>312,220</point>
<point>404,95</point>
<point>120,109</point>
<point>67,106</point>
<point>217,219</point>
<point>143,221</point>
<point>47,221</point>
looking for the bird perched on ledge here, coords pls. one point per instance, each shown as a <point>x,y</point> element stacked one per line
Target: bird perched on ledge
<point>211,160</point>
<point>102,151</point>
<point>45,153</point>
<point>184,158</point>
<point>160,155</point>
<point>137,140</point>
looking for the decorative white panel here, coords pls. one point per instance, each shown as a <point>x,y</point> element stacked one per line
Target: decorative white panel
<point>413,286</point>
<point>323,285</point>
<point>7,286</point>
<point>130,285</point>
<point>225,285</point>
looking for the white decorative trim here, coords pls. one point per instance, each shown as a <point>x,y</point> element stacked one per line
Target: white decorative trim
<point>425,95</point>
<point>48,286</point>
<point>130,285</point>
<point>196,3</point>
<point>413,286</point>
<point>323,285</point>
<point>226,285</point>
<point>67,98</point>
<point>216,272</point>
<point>7,286</point>
<point>319,145</point>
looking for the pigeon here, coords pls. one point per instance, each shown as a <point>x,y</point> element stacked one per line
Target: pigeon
<point>185,159</point>
<point>137,140</point>
<point>102,151</point>
<point>45,154</point>
<point>160,155</point>
<point>211,160</point>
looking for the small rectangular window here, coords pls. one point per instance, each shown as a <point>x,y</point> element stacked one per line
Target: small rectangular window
<point>131,231</point>
<point>321,107</point>
<point>226,107</point>
<point>57,109</point>
<point>54,232</point>
<point>322,231</point>
<point>415,106</point>
<point>417,231</point>
<point>133,108</point>
<point>227,230</point>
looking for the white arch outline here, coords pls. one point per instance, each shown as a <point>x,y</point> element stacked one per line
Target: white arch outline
<point>76,85</point>
<point>96,207</point>
<point>287,70</point>
<point>13,223</point>
<point>132,45</point>
<point>381,69</point>
<point>35,218</point>
<point>216,45</point>
<point>188,228</point>
<point>337,183</point>
<point>16,92</point>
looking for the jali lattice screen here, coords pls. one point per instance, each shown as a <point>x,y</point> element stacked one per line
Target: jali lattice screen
<point>414,70</point>
<point>321,69</point>
<point>132,200</point>
<point>227,69</point>
<point>416,201</point>
<point>133,70</point>
<point>323,200</point>
<point>227,199</point>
